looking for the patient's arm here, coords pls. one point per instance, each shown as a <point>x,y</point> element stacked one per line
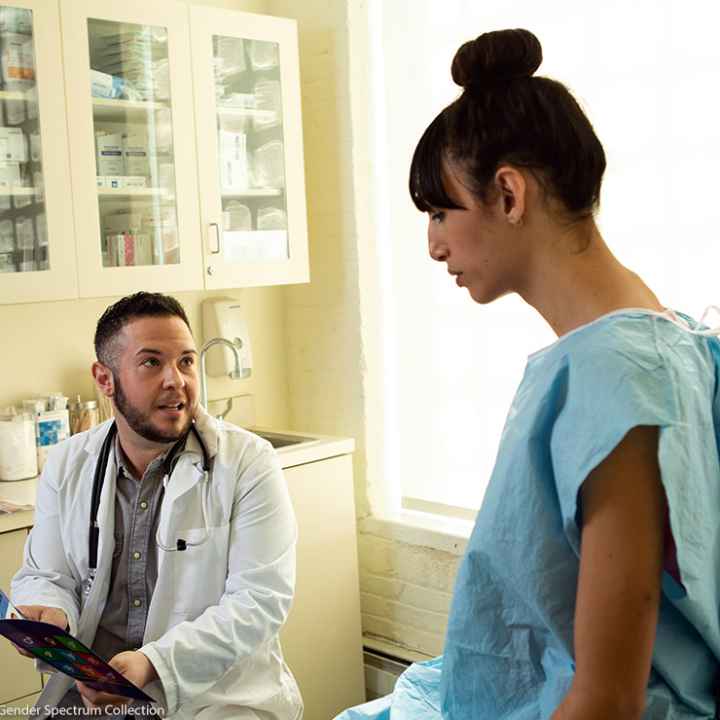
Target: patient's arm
<point>623,510</point>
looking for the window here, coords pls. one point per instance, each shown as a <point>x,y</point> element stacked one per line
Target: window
<point>646,74</point>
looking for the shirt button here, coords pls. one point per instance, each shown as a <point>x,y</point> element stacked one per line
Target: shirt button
<point>143,505</point>
<point>136,556</point>
<point>137,603</point>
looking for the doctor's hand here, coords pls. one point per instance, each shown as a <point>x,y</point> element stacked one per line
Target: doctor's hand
<point>134,666</point>
<point>42,613</point>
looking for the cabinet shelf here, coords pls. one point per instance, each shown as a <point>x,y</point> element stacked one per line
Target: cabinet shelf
<point>251,192</point>
<point>13,95</point>
<point>266,116</point>
<point>125,110</point>
<point>130,193</point>
<point>17,190</point>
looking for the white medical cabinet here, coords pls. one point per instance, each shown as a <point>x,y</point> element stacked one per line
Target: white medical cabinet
<point>147,145</point>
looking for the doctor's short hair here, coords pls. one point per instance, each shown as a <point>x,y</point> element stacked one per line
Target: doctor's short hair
<point>129,308</point>
<point>508,115</point>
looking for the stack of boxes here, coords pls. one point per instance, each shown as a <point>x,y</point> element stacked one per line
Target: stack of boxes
<point>133,237</point>
<point>122,159</point>
<point>126,245</point>
<point>23,237</point>
<point>234,170</point>
<point>17,61</point>
<point>140,238</point>
<point>144,233</point>
<point>128,55</point>
<point>122,60</point>
<point>13,151</point>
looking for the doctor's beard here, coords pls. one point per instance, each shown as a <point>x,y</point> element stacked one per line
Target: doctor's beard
<point>140,422</point>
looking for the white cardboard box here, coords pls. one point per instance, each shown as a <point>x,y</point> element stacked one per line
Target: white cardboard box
<point>233,160</point>
<point>13,147</point>
<point>9,174</point>
<point>136,154</point>
<point>110,154</point>
<point>134,181</point>
<point>121,222</point>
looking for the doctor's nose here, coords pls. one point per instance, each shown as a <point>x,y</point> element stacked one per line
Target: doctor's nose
<point>173,376</point>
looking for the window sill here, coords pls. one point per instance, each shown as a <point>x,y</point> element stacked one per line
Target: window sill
<point>448,534</point>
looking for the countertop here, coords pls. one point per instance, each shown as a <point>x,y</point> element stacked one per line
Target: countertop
<point>315,448</point>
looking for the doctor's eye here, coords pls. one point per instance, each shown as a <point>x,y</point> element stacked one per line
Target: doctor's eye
<point>188,361</point>
<point>150,362</point>
<point>438,216</point>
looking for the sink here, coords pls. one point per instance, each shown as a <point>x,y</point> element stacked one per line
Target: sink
<point>223,408</point>
<point>280,440</point>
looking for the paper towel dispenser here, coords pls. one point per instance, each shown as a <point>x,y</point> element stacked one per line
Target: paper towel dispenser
<point>222,317</point>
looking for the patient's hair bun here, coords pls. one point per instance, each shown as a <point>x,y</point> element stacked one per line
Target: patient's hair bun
<point>497,55</point>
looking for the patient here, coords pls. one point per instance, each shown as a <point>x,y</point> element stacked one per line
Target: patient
<point>588,589</point>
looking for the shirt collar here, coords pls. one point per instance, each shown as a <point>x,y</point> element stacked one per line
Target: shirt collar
<point>163,461</point>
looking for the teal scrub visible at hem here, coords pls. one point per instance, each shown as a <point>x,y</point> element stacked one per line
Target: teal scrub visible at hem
<point>509,647</point>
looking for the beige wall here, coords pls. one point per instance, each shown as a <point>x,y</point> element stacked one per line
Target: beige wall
<point>254,6</point>
<point>48,347</point>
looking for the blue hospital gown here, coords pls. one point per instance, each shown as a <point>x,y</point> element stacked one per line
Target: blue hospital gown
<point>509,645</point>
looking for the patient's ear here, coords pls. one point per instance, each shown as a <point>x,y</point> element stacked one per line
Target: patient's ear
<point>512,190</point>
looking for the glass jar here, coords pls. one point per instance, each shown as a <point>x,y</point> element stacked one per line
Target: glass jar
<point>83,415</point>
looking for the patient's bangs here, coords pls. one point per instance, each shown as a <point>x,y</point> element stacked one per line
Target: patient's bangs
<point>427,188</point>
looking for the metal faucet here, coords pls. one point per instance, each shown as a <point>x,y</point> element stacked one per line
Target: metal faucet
<point>236,374</point>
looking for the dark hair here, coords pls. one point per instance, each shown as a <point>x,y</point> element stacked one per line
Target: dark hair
<point>131,307</point>
<point>505,115</point>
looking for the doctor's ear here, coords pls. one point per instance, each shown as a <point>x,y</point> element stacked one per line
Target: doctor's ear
<point>103,378</point>
<point>512,188</point>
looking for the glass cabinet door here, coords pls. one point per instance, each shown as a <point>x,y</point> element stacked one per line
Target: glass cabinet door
<point>132,129</point>
<point>136,157</point>
<point>251,157</point>
<point>250,148</point>
<point>36,247</point>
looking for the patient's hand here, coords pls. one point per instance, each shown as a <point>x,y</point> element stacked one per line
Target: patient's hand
<point>42,613</point>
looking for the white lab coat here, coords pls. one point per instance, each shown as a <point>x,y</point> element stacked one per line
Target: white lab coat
<point>213,621</point>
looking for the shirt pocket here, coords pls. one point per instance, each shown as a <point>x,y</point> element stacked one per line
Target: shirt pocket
<point>200,571</point>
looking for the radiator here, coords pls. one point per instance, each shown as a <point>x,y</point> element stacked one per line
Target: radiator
<point>381,672</point>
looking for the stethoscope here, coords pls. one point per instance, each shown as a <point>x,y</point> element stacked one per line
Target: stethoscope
<point>99,480</point>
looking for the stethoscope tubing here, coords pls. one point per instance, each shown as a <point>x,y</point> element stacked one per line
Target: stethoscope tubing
<point>98,482</point>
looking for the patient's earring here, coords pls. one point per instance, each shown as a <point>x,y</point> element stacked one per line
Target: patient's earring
<point>516,221</point>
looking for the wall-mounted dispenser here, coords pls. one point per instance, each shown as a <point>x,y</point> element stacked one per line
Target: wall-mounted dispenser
<point>222,317</point>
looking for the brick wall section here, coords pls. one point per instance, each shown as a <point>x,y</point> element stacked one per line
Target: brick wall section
<point>406,592</point>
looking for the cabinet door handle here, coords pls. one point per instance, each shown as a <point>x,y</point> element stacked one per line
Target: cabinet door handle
<point>217,239</point>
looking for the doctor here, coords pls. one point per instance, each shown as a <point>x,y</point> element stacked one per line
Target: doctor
<point>196,537</point>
